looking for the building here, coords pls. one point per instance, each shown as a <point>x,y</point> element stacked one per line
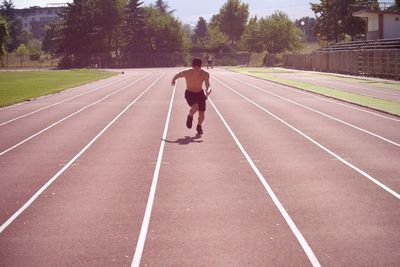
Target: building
<point>380,24</point>
<point>34,19</point>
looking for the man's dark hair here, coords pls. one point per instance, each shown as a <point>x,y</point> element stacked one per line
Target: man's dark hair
<point>197,62</point>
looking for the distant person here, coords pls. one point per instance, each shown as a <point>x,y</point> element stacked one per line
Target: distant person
<point>209,61</point>
<point>194,94</point>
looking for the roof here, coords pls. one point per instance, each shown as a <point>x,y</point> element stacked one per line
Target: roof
<point>366,12</point>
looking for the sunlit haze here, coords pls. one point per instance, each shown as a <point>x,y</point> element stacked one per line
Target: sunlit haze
<point>189,11</point>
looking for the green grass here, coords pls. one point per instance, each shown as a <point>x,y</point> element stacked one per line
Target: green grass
<point>375,103</point>
<point>379,83</point>
<point>19,86</point>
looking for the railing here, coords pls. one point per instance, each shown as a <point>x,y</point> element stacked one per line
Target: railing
<point>368,62</point>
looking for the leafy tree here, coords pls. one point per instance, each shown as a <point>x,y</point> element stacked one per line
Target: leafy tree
<point>7,9</point>
<point>16,36</point>
<point>199,38</point>
<point>135,27</point>
<point>79,33</point>
<point>306,24</point>
<point>21,52</point>
<point>90,30</point>
<point>52,38</point>
<point>279,33</point>
<point>34,49</point>
<point>252,39</point>
<point>334,18</point>
<point>3,37</point>
<point>216,40</point>
<point>164,33</point>
<point>232,19</point>
<point>163,6</point>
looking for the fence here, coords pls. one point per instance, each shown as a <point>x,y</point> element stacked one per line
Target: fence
<point>13,61</point>
<point>375,62</point>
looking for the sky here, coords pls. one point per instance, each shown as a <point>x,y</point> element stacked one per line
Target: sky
<point>189,11</point>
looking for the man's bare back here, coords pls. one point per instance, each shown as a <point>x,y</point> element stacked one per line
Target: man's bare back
<point>194,79</point>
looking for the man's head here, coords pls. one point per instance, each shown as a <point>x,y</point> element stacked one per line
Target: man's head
<point>197,62</point>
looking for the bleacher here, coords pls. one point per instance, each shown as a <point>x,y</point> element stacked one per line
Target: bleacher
<point>363,45</point>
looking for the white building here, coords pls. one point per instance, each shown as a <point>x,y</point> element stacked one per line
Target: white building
<point>34,19</point>
<point>380,24</point>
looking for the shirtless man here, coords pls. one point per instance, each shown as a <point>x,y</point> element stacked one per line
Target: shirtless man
<point>194,94</point>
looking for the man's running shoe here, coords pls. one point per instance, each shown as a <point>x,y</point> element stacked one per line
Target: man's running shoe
<point>199,129</point>
<point>189,121</point>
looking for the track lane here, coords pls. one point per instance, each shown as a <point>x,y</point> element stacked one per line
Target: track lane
<point>48,153</point>
<point>11,112</point>
<point>344,143</point>
<point>357,88</point>
<point>28,129</point>
<point>210,209</point>
<point>102,198</point>
<point>345,219</point>
<point>65,99</point>
<point>320,113</point>
<point>325,102</point>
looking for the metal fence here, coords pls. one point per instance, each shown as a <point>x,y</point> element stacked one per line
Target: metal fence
<point>138,60</point>
<point>383,63</point>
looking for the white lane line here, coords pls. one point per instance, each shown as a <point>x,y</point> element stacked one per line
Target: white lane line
<point>321,113</point>
<point>366,175</point>
<point>52,105</point>
<point>58,174</point>
<point>307,249</point>
<point>146,219</point>
<point>69,116</point>
<point>301,91</point>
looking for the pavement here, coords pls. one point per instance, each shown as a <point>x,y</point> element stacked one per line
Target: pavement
<point>107,174</point>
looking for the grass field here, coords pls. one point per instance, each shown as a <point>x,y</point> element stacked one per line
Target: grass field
<point>366,101</point>
<point>19,86</point>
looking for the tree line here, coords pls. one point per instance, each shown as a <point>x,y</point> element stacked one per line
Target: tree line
<point>118,32</point>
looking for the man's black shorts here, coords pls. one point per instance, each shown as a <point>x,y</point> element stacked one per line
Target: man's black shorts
<point>199,98</point>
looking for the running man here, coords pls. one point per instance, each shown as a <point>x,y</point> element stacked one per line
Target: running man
<point>194,94</point>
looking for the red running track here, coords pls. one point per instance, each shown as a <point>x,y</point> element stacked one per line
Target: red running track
<point>107,174</point>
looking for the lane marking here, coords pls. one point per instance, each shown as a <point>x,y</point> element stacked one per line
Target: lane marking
<point>69,116</point>
<point>71,162</point>
<point>146,219</point>
<point>52,105</point>
<point>301,91</point>
<point>366,175</point>
<point>321,113</point>
<point>307,249</point>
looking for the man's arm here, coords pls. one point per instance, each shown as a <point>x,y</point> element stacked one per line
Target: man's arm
<point>178,75</point>
<point>207,83</point>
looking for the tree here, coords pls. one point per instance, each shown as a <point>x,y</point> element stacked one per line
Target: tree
<point>164,33</point>
<point>232,19</point>
<point>306,24</point>
<point>21,52</point>
<point>199,37</point>
<point>3,37</point>
<point>252,39</point>
<point>14,26</point>
<point>135,27</point>
<point>52,38</point>
<point>216,40</point>
<point>163,6</point>
<point>334,18</point>
<point>279,33</point>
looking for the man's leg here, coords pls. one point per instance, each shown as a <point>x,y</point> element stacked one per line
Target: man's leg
<point>192,111</point>
<point>200,121</point>
<point>201,118</point>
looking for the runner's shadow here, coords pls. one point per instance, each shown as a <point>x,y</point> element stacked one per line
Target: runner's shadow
<point>185,140</point>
